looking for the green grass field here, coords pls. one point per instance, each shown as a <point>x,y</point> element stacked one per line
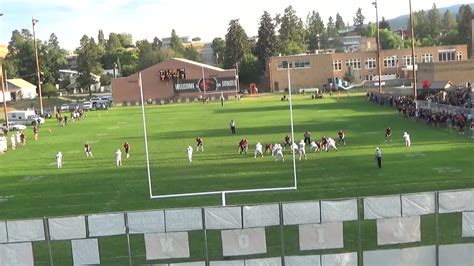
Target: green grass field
<point>31,186</point>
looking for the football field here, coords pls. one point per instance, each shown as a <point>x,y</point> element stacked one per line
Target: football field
<point>31,186</point>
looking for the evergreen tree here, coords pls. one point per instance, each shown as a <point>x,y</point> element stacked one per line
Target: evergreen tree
<point>384,24</point>
<point>359,22</point>
<point>464,26</point>
<point>448,22</point>
<point>315,30</point>
<point>175,43</point>
<point>218,49</point>
<point>434,18</point>
<point>267,44</point>
<point>291,29</point>
<point>340,25</point>
<point>88,63</point>
<point>237,44</point>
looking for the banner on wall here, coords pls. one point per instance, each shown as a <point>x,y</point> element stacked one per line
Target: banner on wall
<point>206,85</point>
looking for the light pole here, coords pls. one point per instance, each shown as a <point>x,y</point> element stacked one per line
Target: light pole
<point>3,87</point>
<point>34,21</point>
<point>413,52</point>
<point>378,45</point>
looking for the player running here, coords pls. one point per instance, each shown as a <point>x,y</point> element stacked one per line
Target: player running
<point>278,152</point>
<point>302,149</point>
<point>287,142</point>
<point>199,144</point>
<point>126,147</point>
<point>331,144</point>
<point>189,150</point>
<point>342,137</point>
<point>406,137</point>
<point>388,134</point>
<point>88,150</point>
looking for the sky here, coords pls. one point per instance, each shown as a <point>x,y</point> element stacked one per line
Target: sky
<point>145,19</point>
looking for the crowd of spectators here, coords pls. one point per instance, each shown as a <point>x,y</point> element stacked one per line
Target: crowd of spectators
<point>460,96</point>
<point>406,106</point>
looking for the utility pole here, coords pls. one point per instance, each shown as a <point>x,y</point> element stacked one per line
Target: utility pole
<point>378,45</point>
<point>415,95</point>
<point>34,21</point>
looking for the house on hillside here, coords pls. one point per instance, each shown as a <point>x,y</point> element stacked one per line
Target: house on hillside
<point>20,89</point>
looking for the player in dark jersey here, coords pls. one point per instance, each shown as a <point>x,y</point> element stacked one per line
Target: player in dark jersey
<point>126,147</point>
<point>324,143</point>
<point>388,134</point>
<point>199,144</point>
<point>88,150</point>
<point>243,146</point>
<point>342,137</point>
<point>287,142</point>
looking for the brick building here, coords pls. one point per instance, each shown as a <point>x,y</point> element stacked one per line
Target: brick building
<point>175,79</point>
<point>314,70</point>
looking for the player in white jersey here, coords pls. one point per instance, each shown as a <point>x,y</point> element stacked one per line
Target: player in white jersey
<point>294,147</point>
<point>314,146</point>
<point>302,149</point>
<point>13,141</point>
<point>189,150</point>
<point>258,150</point>
<point>331,144</point>
<point>59,160</point>
<point>118,158</point>
<point>406,137</point>
<point>278,151</point>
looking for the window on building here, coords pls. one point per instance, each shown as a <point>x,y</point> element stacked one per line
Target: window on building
<point>390,61</point>
<point>427,58</point>
<point>337,65</point>
<point>445,56</point>
<point>353,63</point>
<point>369,77</point>
<point>406,59</point>
<point>284,64</point>
<point>459,56</point>
<point>302,64</point>
<point>370,63</point>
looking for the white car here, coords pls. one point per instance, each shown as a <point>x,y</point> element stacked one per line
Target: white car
<point>16,127</point>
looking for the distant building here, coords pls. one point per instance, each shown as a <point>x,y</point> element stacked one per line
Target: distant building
<point>20,89</point>
<point>317,70</point>
<point>71,61</point>
<point>175,79</point>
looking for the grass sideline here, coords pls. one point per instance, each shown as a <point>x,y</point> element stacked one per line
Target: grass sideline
<point>30,186</point>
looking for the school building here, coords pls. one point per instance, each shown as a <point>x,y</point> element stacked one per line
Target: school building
<point>317,70</point>
<point>175,80</point>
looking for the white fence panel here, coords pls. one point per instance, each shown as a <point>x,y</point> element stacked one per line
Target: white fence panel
<point>3,232</point>
<point>244,242</point>
<point>85,252</point>
<point>109,224</point>
<point>67,228</point>
<point>301,213</point>
<point>418,204</point>
<point>343,259</point>
<point>418,256</point>
<point>382,207</point>
<point>194,263</point>
<point>339,211</point>
<point>458,254</point>
<point>167,245</point>
<point>467,224</point>
<point>263,262</point>
<point>146,222</point>
<point>25,231</point>
<point>16,254</point>
<point>321,236</point>
<point>183,220</point>
<point>398,230</point>
<point>456,201</point>
<point>261,215</point>
<point>219,218</point>
<point>227,263</point>
<point>313,260</point>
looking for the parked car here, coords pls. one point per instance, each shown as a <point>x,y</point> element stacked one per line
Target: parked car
<point>64,107</point>
<point>15,127</point>
<point>87,105</point>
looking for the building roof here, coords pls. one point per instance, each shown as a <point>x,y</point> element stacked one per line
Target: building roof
<point>199,64</point>
<point>19,84</point>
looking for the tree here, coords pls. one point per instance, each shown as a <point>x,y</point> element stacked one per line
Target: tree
<point>448,23</point>
<point>49,90</point>
<point>175,43</point>
<point>88,63</point>
<point>101,38</point>
<point>236,44</point>
<point>331,28</point>
<point>384,24</point>
<point>421,24</point>
<point>464,25</point>
<point>53,59</point>
<point>267,44</point>
<point>434,18</point>
<point>218,49</point>
<point>340,25</point>
<point>113,42</point>
<point>371,30</point>
<point>157,43</point>
<point>249,69</point>
<point>359,22</point>
<point>291,28</point>
<point>126,39</point>
<point>21,56</point>
<point>390,40</point>
<point>191,53</point>
<point>315,30</point>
